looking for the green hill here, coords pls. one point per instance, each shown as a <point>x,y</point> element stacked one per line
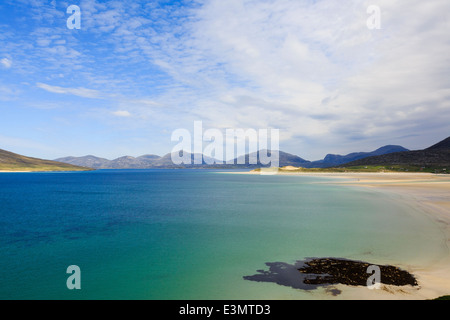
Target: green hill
<point>15,162</point>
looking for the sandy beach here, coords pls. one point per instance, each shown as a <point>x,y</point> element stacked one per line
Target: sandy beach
<point>430,193</point>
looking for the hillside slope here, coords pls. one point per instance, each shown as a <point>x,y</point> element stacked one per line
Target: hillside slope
<point>10,161</point>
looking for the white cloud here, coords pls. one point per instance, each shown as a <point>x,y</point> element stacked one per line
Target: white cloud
<point>7,63</point>
<point>122,113</point>
<point>81,92</point>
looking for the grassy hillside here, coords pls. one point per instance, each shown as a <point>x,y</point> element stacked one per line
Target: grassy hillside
<point>14,162</point>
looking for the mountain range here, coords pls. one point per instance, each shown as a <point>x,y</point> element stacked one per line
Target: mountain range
<point>438,155</point>
<point>285,159</point>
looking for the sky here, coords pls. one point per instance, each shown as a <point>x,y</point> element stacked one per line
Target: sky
<point>136,71</point>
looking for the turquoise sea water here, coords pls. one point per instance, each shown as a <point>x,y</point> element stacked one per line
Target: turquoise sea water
<point>188,234</point>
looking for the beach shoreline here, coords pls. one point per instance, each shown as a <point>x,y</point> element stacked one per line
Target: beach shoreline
<point>424,191</point>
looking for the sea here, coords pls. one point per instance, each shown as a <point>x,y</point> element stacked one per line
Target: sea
<point>192,234</point>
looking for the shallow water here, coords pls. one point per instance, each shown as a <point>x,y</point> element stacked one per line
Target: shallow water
<point>188,234</point>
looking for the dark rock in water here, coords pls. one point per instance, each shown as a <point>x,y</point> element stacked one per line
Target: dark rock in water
<point>312,273</point>
<point>352,273</point>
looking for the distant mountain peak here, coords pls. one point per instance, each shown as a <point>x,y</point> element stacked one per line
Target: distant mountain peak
<point>391,147</point>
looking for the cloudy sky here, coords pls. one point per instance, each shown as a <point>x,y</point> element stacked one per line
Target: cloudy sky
<point>136,71</point>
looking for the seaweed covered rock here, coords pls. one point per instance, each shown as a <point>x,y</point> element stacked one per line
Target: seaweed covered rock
<point>353,273</point>
<point>309,274</point>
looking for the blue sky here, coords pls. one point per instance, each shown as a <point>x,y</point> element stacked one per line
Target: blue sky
<point>138,70</point>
